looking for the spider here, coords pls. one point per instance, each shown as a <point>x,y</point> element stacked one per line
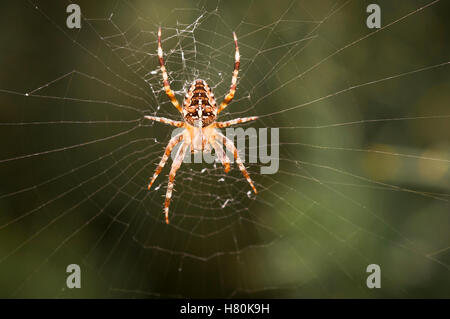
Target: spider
<point>200,127</point>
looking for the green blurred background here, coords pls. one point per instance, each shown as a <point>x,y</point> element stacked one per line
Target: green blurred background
<point>364,167</point>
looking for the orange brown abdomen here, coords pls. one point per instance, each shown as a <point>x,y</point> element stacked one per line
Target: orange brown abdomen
<point>199,107</point>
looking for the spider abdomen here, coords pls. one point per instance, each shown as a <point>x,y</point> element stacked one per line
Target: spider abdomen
<point>199,107</point>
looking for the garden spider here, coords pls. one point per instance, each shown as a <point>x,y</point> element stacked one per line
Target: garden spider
<point>200,127</point>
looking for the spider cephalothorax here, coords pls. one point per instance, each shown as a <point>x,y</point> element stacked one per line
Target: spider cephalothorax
<point>201,131</point>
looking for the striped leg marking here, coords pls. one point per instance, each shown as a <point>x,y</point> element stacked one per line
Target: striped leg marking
<point>221,155</point>
<point>236,121</point>
<point>165,121</point>
<point>230,146</point>
<point>175,166</point>
<point>237,62</point>
<point>174,141</point>
<point>167,88</point>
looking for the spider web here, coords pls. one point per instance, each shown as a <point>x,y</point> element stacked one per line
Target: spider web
<point>364,166</point>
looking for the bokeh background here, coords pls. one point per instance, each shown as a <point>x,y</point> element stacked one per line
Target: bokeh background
<point>364,150</point>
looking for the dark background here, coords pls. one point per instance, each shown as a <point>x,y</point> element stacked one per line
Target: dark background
<point>364,174</point>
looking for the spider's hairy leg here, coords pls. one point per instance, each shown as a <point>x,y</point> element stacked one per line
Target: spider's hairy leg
<point>167,88</point>
<point>165,121</point>
<point>230,146</point>
<point>173,170</point>
<point>235,121</point>
<point>230,94</point>
<point>173,141</point>
<point>221,154</point>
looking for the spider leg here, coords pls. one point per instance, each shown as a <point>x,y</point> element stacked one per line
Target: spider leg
<point>230,95</point>
<point>235,121</point>
<point>165,121</point>
<point>221,155</point>
<point>173,170</point>
<point>169,91</point>
<point>230,146</point>
<point>173,141</point>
